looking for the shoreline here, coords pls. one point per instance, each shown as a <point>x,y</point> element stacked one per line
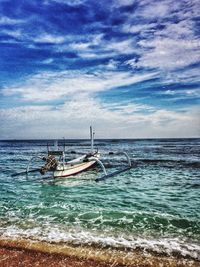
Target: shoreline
<point>12,257</point>
<point>24,252</point>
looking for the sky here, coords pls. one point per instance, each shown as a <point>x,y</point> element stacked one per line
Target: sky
<point>130,68</point>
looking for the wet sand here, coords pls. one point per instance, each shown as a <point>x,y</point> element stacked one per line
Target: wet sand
<point>25,253</point>
<point>27,258</point>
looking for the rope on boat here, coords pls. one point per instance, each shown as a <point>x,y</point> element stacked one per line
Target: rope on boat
<point>51,165</point>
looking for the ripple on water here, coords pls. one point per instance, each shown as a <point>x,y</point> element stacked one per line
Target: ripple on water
<point>154,206</point>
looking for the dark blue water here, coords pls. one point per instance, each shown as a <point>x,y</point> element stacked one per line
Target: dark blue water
<point>153,206</point>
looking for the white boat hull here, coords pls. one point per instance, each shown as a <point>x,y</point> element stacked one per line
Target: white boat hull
<point>74,167</point>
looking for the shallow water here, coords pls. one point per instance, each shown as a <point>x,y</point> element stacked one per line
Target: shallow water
<point>153,207</point>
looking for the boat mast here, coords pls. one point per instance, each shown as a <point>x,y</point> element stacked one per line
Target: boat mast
<point>92,139</point>
<point>55,144</point>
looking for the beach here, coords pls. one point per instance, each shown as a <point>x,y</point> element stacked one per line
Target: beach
<point>28,253</point>
<point>12,257</point>
<point>147,216</point>
<point>100,133</point>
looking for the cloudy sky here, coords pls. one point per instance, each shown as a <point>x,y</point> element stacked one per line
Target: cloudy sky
<point>129,67</point>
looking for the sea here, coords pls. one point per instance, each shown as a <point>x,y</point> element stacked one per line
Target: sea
<point>153,207</point>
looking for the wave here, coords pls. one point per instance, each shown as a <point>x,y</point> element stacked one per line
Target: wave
<point>161,246</point>
<point>188,163</point>
<point>117,163</point>
<point>41,253</point>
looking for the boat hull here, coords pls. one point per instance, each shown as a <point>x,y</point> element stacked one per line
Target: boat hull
<point>76,166</point>
<point>72,170</point>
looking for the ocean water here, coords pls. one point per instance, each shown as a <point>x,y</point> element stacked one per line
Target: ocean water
<point>153,207</point>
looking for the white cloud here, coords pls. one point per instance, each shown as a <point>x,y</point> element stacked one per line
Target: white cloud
<point>48,61</point>
<point>184,29</point>
<point>127,107</point>
<point>112,64</point>
<point>166,9</point>
<point>188,75</point>
<point>138,27</point>
<point>67,2</point>
<point>121,47</point>
<point>184,93</point>
<point>10,21</point>
<point>167,49</point>
<point>13,33</point>
<point>96,47</point>
<point>49,38</point>
<point>80,46</point>
<point>120,3</point>
<point>169,54</point>
<point>170,47</point>
<point>51,86</point>
<point>84,47</point>
<point>131,62</point>
<point>155,9</point>
<point>74,117</point>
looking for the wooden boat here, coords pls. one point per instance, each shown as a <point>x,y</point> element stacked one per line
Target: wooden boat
<point>61,168</point>
<point>76,166</point>
<point>55,162</point>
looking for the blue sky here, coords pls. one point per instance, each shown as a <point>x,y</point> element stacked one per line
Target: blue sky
<point>129,67</point>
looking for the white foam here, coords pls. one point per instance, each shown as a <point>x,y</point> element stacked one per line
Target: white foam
<point>79,236</point>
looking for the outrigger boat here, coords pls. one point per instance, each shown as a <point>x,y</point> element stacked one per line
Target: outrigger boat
<point>55,162</point>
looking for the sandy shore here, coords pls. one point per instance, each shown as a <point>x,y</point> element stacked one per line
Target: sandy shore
<point>25,253</point>
<point>27,258</point>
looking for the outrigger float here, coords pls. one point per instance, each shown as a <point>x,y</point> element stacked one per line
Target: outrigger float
<point>55,162</point>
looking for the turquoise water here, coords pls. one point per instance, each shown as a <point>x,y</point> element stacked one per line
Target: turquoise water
<point>154,206</point>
